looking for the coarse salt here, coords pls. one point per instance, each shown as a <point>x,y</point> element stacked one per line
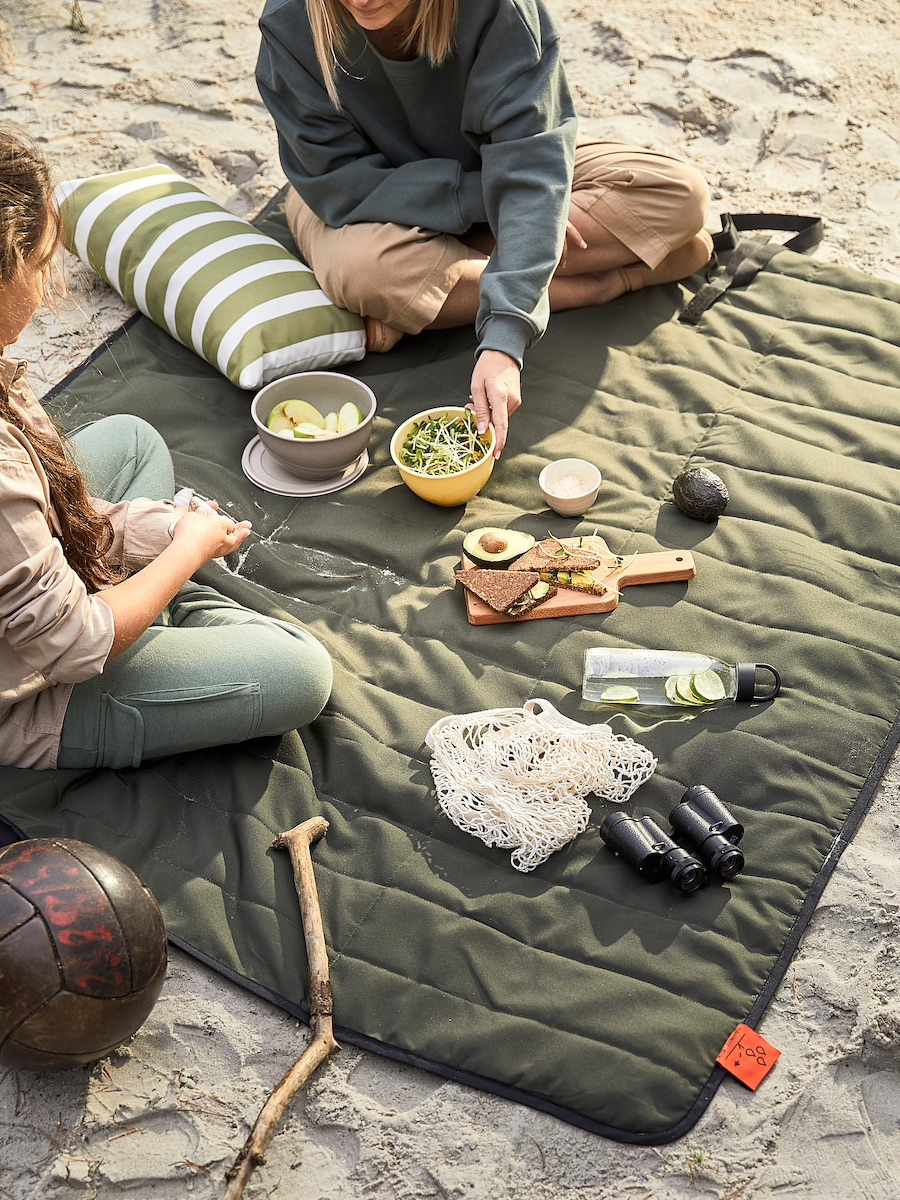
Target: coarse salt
<point>569,486</point>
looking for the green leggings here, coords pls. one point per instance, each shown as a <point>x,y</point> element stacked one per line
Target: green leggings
<point>193,681</point>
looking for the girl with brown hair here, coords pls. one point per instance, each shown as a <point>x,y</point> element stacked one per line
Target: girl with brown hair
<point>437,179</point>
<point>108,654</point>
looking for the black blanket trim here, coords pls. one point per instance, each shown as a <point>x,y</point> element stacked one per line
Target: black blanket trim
<point>844,837</point>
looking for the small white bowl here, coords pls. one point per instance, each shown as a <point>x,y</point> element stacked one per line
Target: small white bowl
<point>563,470</point>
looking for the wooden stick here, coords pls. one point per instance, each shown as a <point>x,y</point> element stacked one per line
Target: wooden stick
<point>297,842</point>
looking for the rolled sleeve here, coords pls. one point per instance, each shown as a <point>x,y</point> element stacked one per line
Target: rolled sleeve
<point>507,333</point>
<point>46,614</point>
<point>142,529</point>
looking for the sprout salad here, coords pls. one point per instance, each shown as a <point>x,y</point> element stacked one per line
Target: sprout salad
<point>444,444</point>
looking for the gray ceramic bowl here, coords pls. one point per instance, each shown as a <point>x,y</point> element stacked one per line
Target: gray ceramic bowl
<point>327,391</point>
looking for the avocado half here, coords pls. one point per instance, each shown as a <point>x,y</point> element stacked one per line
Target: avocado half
<point>700,494</point>
<point>497,548</point>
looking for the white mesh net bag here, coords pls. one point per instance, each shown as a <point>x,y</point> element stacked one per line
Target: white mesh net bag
<point>517,777</point>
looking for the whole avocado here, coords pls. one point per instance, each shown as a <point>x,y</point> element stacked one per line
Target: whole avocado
<point>700,493</point>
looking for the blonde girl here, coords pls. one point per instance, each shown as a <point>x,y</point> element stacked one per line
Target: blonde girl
<point>438,180</point>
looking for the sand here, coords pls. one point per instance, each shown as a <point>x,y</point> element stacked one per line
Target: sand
<point>790,107</point>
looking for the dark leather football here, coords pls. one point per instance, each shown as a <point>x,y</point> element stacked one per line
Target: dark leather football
<point>82,953</point>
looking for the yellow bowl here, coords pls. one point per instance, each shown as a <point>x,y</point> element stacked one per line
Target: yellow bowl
<point>446,490</point>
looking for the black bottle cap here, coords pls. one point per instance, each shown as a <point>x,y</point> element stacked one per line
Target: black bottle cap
<point>748,684</point>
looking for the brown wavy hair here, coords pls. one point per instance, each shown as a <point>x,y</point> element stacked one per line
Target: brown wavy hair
<point>28,215</point>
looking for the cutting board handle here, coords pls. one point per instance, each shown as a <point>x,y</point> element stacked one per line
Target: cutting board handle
<point>665,566</point>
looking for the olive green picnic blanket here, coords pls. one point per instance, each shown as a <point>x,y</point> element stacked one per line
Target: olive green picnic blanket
<point>578,988</point>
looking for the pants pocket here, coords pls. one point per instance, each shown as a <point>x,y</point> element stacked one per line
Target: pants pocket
<point>121,741</point>
<point>177,720</point>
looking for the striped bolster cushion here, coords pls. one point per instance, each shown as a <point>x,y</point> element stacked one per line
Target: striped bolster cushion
<point>210,279</point>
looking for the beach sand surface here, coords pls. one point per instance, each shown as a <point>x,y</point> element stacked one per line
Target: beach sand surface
<point>785,107</point>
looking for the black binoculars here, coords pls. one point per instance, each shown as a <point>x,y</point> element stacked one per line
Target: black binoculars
<point>702,820</point>
<point>642,843</point>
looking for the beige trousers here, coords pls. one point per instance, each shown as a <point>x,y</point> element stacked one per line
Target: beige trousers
<point>400,275</point>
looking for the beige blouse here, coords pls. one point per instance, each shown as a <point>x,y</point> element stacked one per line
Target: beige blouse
<point>52,633</point>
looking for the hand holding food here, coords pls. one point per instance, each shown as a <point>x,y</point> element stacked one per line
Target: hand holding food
<point>210,534</point>
<point>496,393</point>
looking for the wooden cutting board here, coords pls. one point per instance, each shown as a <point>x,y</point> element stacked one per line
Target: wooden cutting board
<point>665,566</point>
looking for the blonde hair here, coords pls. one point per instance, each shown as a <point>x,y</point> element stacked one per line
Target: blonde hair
<point>432,35</point>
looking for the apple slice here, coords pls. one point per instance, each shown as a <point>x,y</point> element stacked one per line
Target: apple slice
<point>331,422</point>
<point>278,421</point>
<point>300,412</point>
<point>307,430</point>
<point>291,413</point>
<point>312,433</point>
<point>348,418</point>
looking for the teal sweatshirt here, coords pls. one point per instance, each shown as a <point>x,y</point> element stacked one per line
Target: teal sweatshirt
<point>487,136</point>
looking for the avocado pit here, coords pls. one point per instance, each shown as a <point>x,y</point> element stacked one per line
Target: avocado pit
<point>495,548</point>
<point>492,544</point>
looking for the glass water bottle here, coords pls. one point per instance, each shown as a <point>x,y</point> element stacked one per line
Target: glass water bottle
<point>673,677</point>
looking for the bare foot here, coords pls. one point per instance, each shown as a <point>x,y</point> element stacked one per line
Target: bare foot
<point>610,285</point>
<point>576,291</point>
<point>380,337</point>
<point>682,262</point>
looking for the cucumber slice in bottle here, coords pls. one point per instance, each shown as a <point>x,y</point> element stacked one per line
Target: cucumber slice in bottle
<point>684,693</point>
<point>619,695</point>
<point>676,696</point>
<point>708,686</point>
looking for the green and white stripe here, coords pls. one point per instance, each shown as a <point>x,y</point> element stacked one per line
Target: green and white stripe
<point>233,295</point>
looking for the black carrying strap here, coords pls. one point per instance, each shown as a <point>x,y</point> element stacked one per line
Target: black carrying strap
<point>739,260</point>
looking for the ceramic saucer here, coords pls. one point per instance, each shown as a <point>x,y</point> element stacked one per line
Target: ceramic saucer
<point>263,469</point>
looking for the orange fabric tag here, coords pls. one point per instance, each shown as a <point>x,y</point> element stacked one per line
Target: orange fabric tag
<point>748,1056</point>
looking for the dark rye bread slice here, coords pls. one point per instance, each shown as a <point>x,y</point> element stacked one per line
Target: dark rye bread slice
<point>498,589</point>
<point>546,556</point>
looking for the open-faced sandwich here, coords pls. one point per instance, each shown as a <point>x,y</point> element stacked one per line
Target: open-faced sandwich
<point>582,564</point>
<point>512,593</point>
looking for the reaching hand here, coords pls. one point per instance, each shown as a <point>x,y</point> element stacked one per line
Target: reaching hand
<point>496,393</point>
<point>574,239</point>
<point>211,535</point>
